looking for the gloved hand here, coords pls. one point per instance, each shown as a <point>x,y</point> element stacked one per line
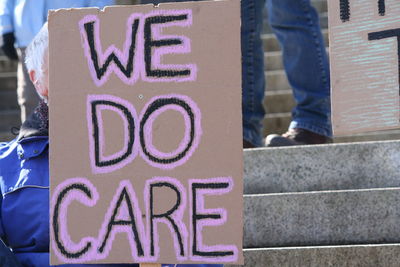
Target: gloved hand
<point>7,45</point>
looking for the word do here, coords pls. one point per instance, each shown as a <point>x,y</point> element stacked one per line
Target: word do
<point>140,127</point>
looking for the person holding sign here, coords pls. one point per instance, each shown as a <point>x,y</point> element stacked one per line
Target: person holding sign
<point>24,174</point>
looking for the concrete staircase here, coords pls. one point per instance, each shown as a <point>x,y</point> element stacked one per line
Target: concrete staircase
<point>327,205</point>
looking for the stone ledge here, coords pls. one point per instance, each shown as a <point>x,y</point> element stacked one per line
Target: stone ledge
<point>322,167</point>
<point>354,255</point>
<point>322,218</point>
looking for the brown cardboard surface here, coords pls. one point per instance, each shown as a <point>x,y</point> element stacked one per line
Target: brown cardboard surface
<point>364,72</point>
<point>86,196</point>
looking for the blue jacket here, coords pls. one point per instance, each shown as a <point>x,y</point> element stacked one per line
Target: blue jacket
<point>24,185</point>
<point>26,17</point>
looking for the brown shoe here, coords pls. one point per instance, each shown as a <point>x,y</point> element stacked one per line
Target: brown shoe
<point>296,137</point>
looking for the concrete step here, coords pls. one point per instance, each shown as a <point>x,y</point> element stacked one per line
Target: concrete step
<point>8,92</point>
<point>8,81</point>
<point>322,167</point>
<point>386,255</point>
<point>322,218</point>
<point>276,80</point>
<point>320,5</point>
<point>8,100</point>
<point>271,43</point>
<point>278,101</point>
<point>276,123</point>
<point>323,20</point>
<point>7,65</point>
<point>273,61</point>
<point>6,136</point>
<point>9,119</point>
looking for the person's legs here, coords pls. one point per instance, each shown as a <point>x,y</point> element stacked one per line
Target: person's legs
<point>296,25</point>
<point>253,79</point>
<point>28,99</point>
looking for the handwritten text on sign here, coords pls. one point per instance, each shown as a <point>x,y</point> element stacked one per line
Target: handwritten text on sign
<point>140,90</point>
<point>364,54</point>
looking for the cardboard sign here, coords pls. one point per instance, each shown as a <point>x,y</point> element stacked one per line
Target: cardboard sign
<point>364,55</point>
<point>145,131</point>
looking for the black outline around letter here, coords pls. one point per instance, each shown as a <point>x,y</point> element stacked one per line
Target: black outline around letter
<point>166,215</point>
<point>344,10</point>
<point>95,123</point>
<point>100,71</point>
<point>157,104</point>
<point>196,217</point>
<point>388,34</point>
<point>123,196</point>
<point>149,43</point>
<point>60,198</point>
<point>381,7</point>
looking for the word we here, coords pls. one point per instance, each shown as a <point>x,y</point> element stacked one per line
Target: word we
<point>140,127</point>
<point>143,49</point>
<point>124,216</point>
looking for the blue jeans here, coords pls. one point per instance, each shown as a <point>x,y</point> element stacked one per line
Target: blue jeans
<point>296,25</point>
<point>253,79</point>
